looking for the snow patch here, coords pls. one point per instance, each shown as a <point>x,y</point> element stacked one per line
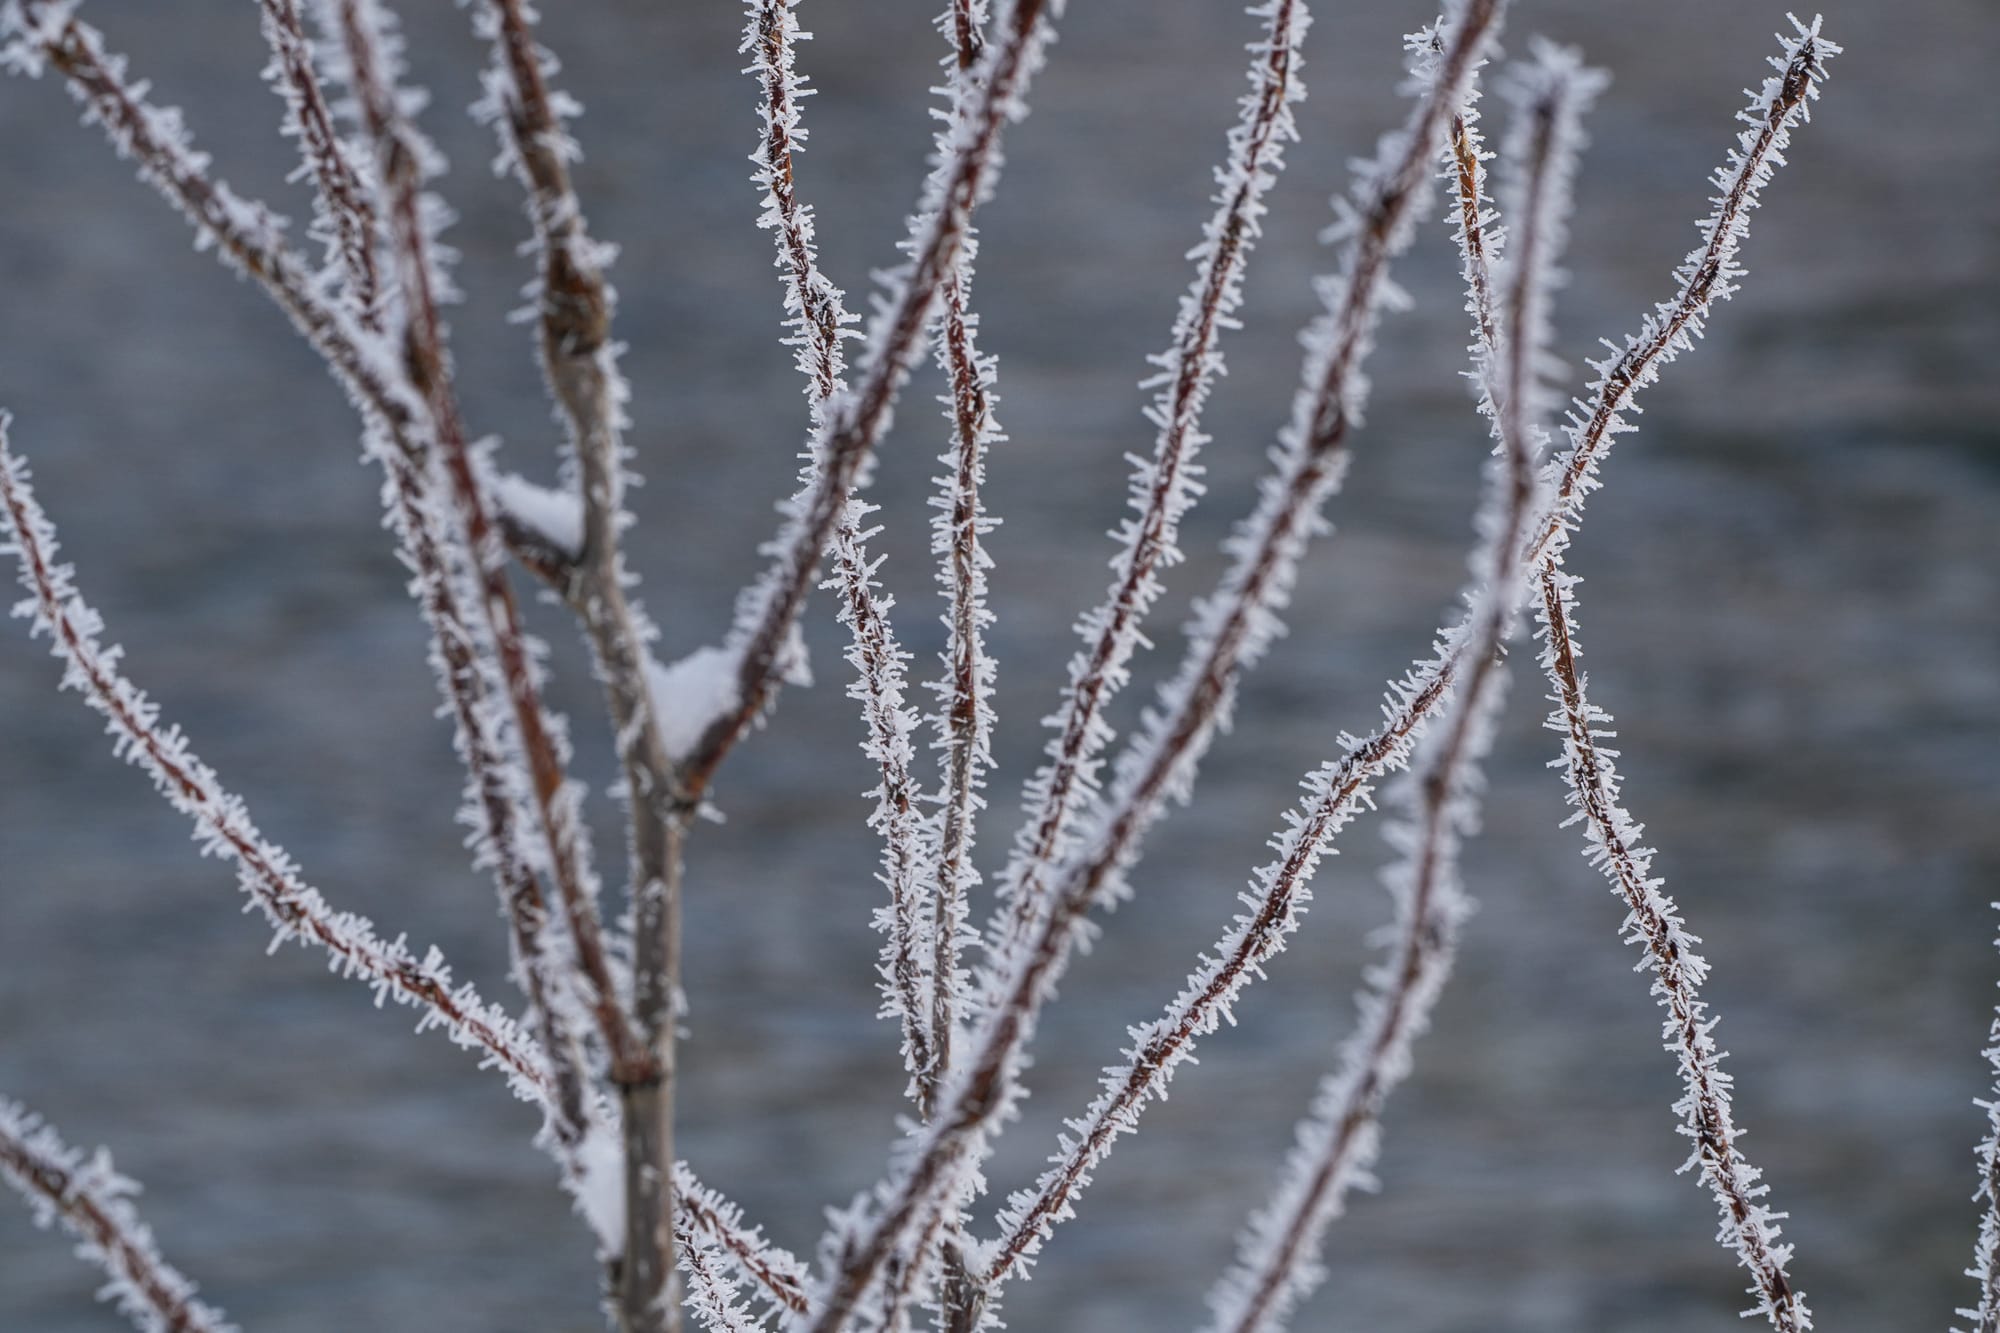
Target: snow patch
<point>690,695</point>
<point>556,515</point>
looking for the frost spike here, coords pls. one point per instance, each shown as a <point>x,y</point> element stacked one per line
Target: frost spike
<point>93,1203</point>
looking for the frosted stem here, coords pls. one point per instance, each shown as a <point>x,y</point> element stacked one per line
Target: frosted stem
<point>1653,922</point>
<point>222,822</point>
<point>1165,485</point>
<point>94,1204</point>
<point>346,204</point>
<point>769,612</point>
<point>1278,1253</point>
<point>701,1214</point>
<point>818,321</point>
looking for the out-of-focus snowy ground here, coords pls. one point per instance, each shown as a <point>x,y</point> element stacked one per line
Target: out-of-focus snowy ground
<point>1793,578</point>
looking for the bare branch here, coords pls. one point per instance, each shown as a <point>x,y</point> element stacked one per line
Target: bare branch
<point>818,320</point>
<point>964,717</point>
<point>345,203</point>
<point>701,1214</point>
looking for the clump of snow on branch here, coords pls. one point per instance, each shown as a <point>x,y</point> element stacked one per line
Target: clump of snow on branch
<point>554,515</point>
<point>690,695</point>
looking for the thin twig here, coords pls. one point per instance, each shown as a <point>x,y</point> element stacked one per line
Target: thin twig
<point>1278,1253</point>
<point>1653,922</point>
<point>780,1278</point>
<point>769,613</point>
<point>94,1204</point>
<point>1164,486</point>
<point>818,320</point>
<point>222,822</point>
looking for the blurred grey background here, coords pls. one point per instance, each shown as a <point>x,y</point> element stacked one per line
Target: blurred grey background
<point>1792,583</point>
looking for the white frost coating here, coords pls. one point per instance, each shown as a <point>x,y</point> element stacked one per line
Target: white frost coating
<point>555,515</point>
<point>707,1221</point>
<point>691,694</point>
<point>1707,275</point>
<point>94,1204</point>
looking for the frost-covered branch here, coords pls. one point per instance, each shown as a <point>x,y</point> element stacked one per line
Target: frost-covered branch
<point>964,717</point>
<point>223,826</point>
<point>36,35</point>
<point>941,1159</point>
<point>94,1204</point>
<point>1234,624</point>
<point>1281,892</point>
<point>1653,922</point>
<point>344,203</point>
<point>702,1215</point>
<point>763,639</point>
<point>1709,274</point>
<point>1985,1268</point>
<point>817,321</point>
<point>1165,485</point>
<point>402,162</point>
<point>1438,804</point>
